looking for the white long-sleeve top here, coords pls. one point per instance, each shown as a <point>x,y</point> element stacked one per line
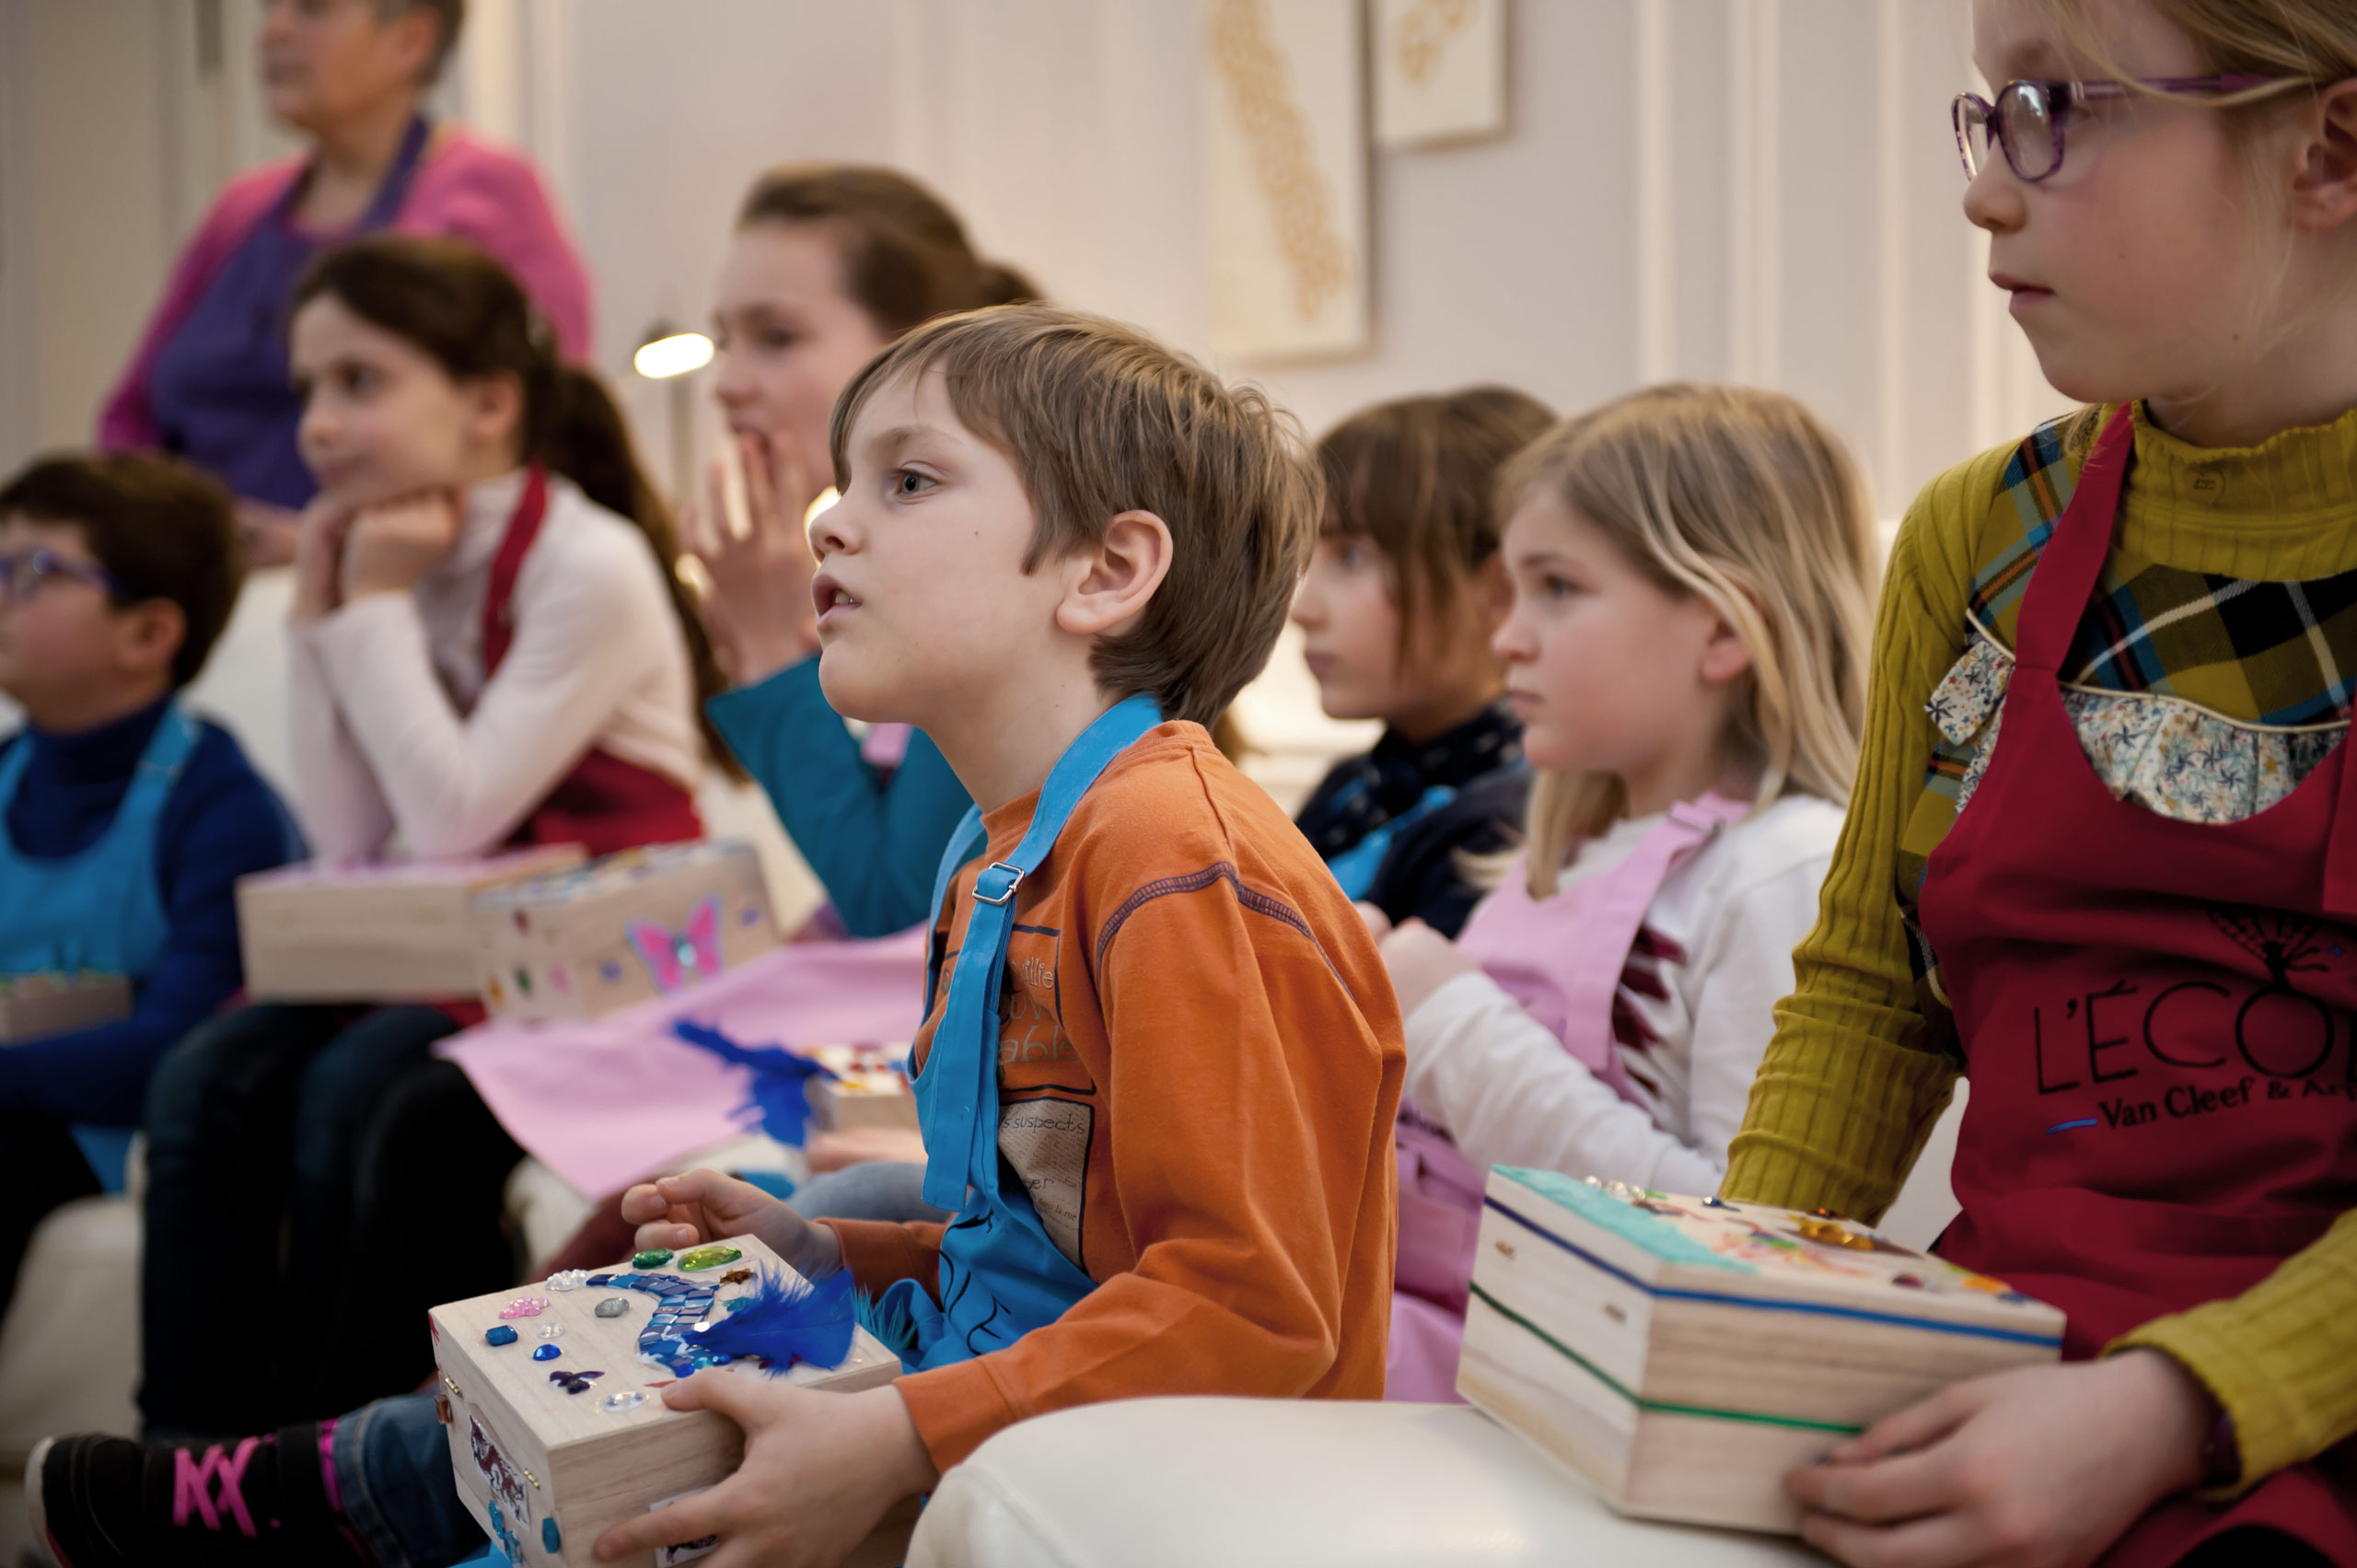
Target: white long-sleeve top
<point>1692,1021</point>
<point>392,727</point>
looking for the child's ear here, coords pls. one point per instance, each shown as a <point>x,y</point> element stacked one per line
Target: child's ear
<point>148,637</point>
<point>1725,655</point>
<point>1113,580</point>
<point>496,408</point>
<point>2324,190</point>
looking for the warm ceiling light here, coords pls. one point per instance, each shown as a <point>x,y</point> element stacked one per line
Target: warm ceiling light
<point>676,354</point>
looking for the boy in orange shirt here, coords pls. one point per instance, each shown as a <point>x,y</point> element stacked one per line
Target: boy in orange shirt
<point>1161,1061</point>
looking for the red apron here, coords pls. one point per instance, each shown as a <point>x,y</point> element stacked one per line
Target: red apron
<point>605,804</point>
<point>2157,1023</point>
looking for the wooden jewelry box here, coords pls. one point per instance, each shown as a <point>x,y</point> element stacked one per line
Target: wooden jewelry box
<point>1684,1354</point>
<point>551,1453</point>
<point>868,1089</point>
<point>586,941</point>
<point>52,1001</point>
<point>323,933</point>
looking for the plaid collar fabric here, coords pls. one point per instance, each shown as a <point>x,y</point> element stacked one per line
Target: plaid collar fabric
<point>2269,654</point>
<point>1364,792</point>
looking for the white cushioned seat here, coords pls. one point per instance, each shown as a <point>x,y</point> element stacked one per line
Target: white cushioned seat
<point>1264,1483</point>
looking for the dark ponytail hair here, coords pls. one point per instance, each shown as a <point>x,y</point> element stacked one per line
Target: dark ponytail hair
<point>906,257</point>
<point>468,313</point>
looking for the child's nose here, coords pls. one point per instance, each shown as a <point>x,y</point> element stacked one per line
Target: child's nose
<point>1308,604</point>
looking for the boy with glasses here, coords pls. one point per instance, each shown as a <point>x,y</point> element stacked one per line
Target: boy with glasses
<point>125,821</point>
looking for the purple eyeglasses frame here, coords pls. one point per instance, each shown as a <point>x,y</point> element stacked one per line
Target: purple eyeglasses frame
<point>46,564</point>
<point>2062,98</point>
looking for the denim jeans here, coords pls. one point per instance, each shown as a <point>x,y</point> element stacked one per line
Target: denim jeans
<point>254,1123</point>
<point>393,1481</point>
<point>393,1458</point>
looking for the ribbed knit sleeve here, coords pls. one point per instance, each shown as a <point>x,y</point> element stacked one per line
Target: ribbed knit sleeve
<point>1856,1073</point>
<point>1853,1079</point>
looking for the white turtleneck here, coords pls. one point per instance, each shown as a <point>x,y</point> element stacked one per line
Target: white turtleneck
<point>393,729</point>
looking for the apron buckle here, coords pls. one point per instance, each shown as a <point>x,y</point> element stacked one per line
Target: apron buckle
<point>998,874</point>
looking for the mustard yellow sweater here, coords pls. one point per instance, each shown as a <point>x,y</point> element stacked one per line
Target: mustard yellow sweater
<point>1861,1062</point>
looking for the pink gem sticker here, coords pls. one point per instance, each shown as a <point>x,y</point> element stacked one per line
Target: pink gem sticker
<point>525,1307</point>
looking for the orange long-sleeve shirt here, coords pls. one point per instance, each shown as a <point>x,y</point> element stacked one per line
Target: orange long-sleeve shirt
<point>1200,1060</point>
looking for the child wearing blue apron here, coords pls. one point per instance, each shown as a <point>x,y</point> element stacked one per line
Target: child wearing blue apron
<point>124,820</point>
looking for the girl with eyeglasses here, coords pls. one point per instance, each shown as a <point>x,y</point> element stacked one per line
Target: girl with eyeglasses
<point>2131,918</point>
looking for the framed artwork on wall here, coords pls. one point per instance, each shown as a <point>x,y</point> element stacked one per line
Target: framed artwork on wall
<point>1285,174</point>
<point>1440,71</point>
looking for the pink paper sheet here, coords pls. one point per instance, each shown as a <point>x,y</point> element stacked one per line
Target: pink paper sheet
<point>609,1102</point>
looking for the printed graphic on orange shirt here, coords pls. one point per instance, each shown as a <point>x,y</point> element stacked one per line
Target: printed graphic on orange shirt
<point>1046,1144</point>
<point>1029,1030</point>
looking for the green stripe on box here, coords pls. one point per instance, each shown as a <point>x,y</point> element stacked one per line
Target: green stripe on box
<point>1661,1407</point>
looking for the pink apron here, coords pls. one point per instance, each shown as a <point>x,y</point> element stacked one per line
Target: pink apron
<point>1562,958</point>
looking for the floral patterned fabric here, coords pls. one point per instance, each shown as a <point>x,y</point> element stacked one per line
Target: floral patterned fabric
<point>2164,754</point>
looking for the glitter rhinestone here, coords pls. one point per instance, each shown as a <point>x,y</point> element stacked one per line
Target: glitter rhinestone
<point>547,1352</point>
<point>630,1399</point>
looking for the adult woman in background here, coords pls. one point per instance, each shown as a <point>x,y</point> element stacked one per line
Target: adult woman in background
<point>209,378</point>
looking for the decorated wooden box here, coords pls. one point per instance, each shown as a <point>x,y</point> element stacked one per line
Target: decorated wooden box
<point>321,933</point>
<point>581,943</point>
<point>1684,1354</point>
<point>552,1395</point>
<point>52,1001</point>
<point>868,1089</point>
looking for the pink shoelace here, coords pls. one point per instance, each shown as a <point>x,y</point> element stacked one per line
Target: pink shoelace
<point>213,1485</point>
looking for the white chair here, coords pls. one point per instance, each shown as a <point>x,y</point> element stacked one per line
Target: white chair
<point>1262,1483</point>
<point>1247,1482</point>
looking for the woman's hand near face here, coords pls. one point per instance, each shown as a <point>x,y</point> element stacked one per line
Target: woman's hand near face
<point>2042,1467</point>
<point>758,602</point>
<point>389,548</point>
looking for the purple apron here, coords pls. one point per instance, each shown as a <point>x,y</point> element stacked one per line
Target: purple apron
<point>219,386</point>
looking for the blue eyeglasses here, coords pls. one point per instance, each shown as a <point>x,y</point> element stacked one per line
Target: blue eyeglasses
<point>23,573</point>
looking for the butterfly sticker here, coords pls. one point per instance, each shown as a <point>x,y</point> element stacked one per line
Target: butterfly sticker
<point>678,959</point>
<point>574,1382</point>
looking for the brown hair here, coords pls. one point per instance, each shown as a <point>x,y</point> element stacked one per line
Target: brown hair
<point>1099,419</point>
<point>1743,498</point>
<point>1418,477</point>
<point>465,310</point>
<point>164,530</point>
<point>906,257</point>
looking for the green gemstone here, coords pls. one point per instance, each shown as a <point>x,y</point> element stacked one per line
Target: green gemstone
<point>652,1258</point>
<point>707,1257</point>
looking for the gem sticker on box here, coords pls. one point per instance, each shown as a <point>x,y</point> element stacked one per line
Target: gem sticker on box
<point>321,933</point>
<point>621,930</point>
<point>548,1457</point>
<point>55,1001</point>
<point>1684,1354</point>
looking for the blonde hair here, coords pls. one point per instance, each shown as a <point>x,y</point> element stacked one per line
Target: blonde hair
<point>1742,498</point>
<point>2313,42</point>
<point>1099,419</point>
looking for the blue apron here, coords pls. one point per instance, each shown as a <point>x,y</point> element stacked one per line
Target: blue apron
<point>1000,1275</point>
<point>219,385</point>
<point>100,909</point>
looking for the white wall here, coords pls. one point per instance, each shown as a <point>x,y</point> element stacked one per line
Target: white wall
<point>1754,190</point>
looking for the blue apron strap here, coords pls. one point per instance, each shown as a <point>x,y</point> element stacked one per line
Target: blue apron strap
<point>961,1131</point>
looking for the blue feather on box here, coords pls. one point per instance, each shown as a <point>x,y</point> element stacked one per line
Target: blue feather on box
<point>779,1076</point>
<point>782,1319</point>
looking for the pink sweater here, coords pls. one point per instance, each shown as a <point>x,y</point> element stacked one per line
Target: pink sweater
<point>465,187</point>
